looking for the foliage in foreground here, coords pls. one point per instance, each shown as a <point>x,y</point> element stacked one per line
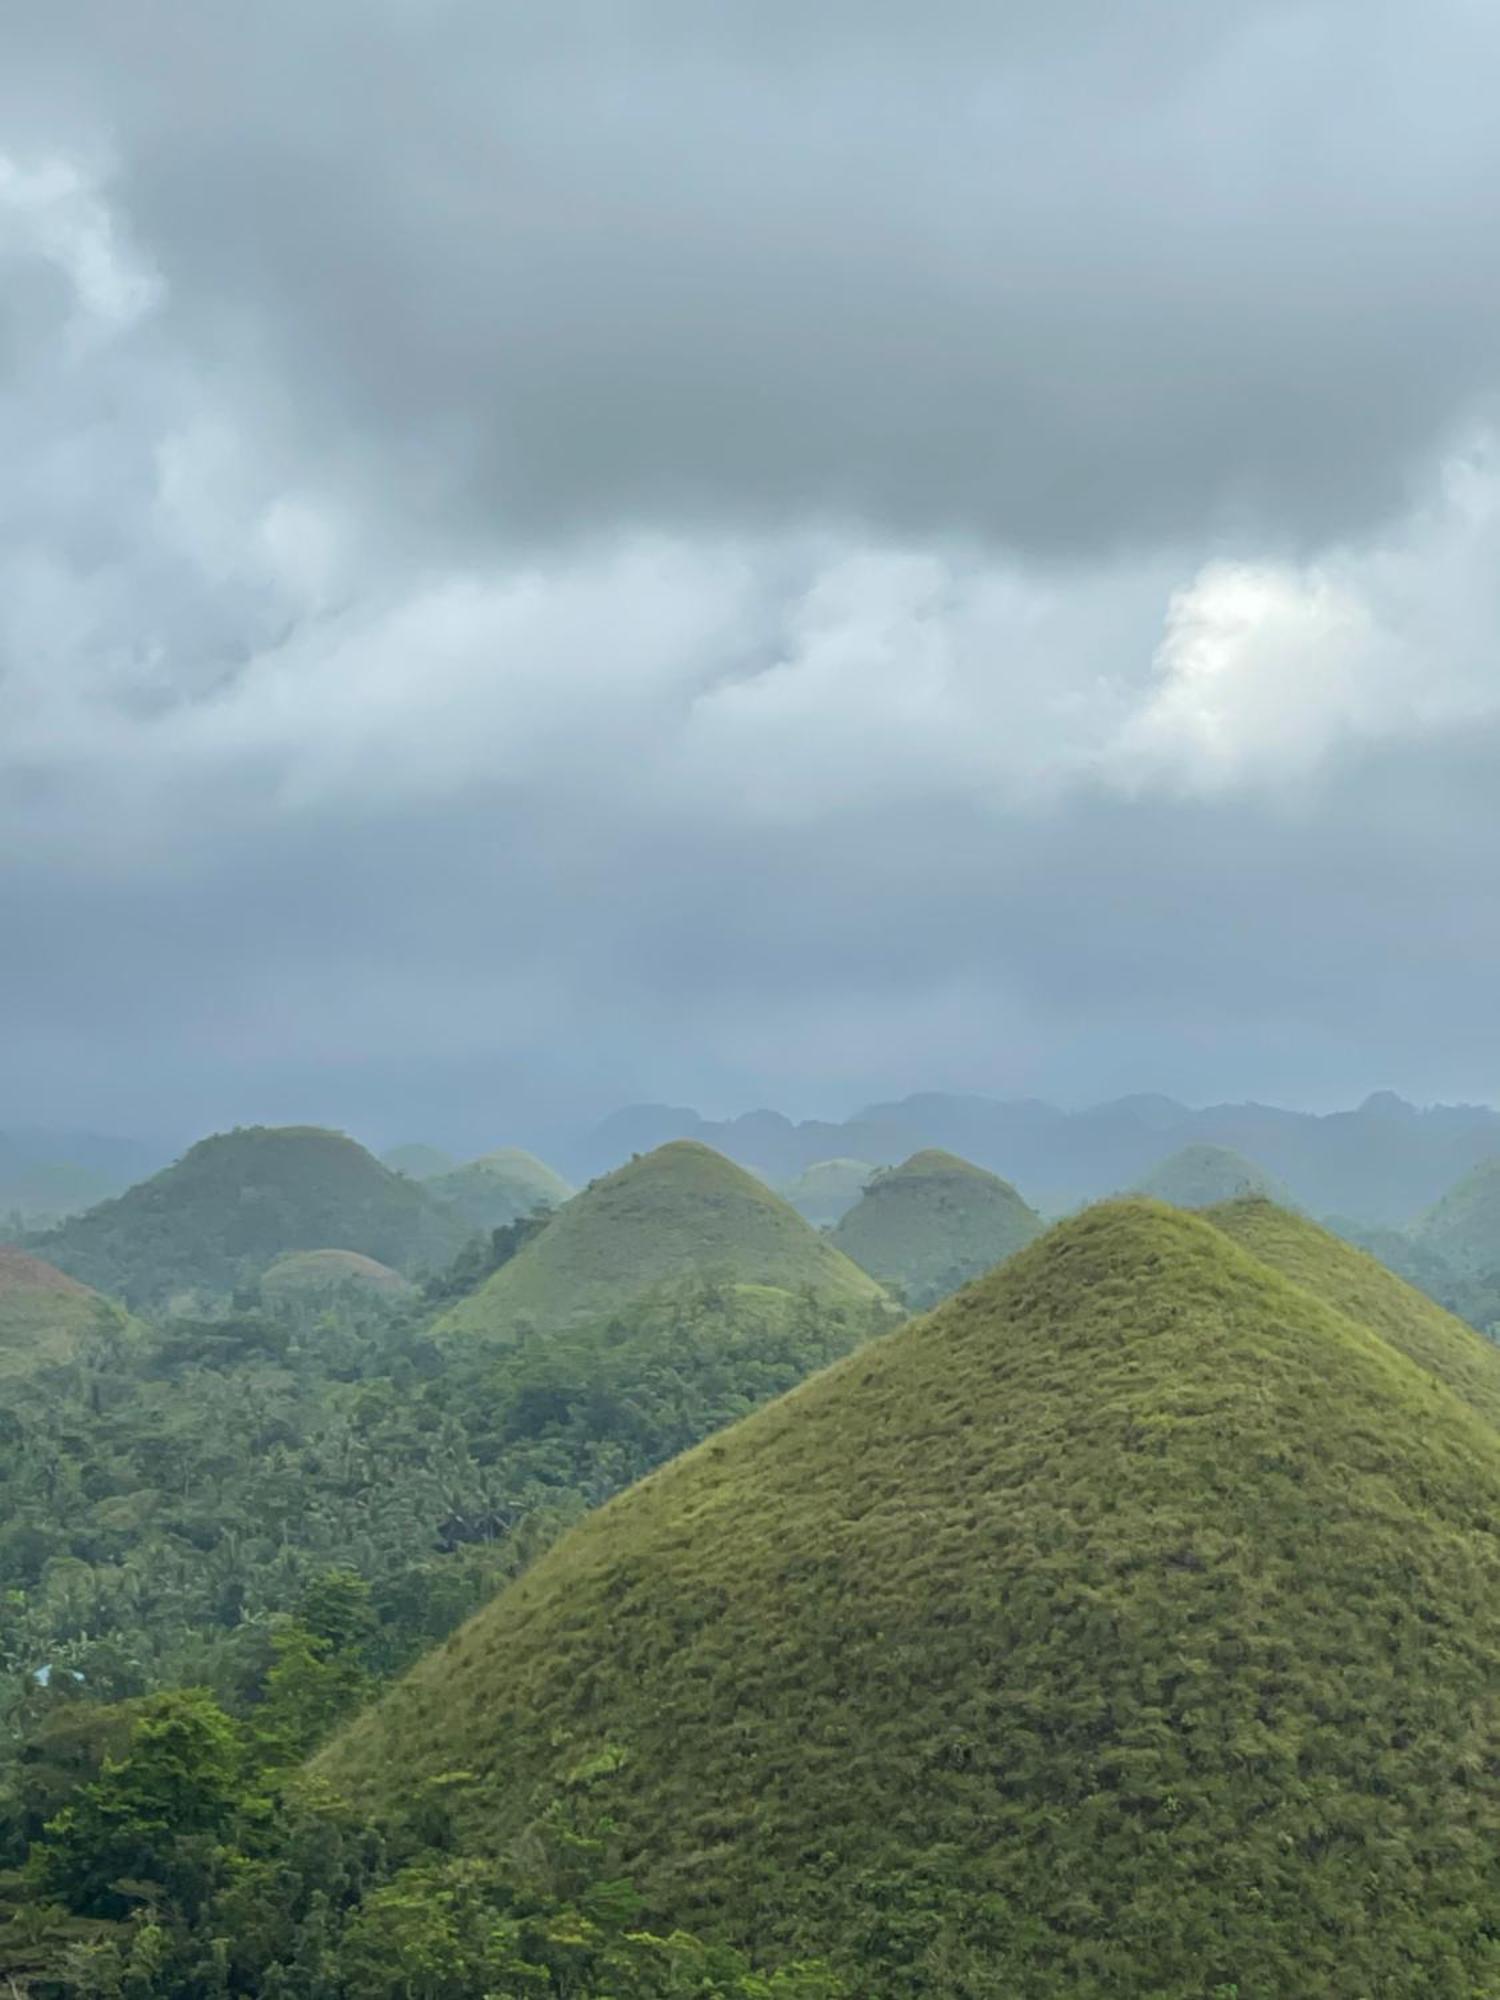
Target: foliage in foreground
<point>162,1508</point>
<point>198,1865</point>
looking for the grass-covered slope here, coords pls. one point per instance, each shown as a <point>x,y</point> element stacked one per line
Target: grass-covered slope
<point>1365,1289</point>
<point>824,1193</point>
<point>499,1189</point>
<point>1201,1176</point>
<point>682,1211</point>
<point>235,1203</point>
<point>933,1223</point>
<point>1129,1626</point>
<point>306,1276</point>
<point>47,1318</point>
<point>1464,1228</point>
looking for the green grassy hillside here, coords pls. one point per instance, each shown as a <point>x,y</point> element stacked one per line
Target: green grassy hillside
<point>1368,1291</point>
<point>499,1189</point>
<point>235,1203</point>
<point>824,1193</point>
<point>46,1317</point>
<point>1464,1228</point>
<point>1129,1626</point>
<point>680,1212</point>
<point>1200,1176</point>
<point>308,1275</point>
<point>929,1226</point>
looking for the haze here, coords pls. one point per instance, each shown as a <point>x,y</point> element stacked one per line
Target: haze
<point>753,554</point>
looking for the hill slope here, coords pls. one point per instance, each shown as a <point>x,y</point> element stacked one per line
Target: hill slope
<point>235,1203</point>
<point>1130,1625</point>
<point>46,1317</point>
<point>930,1225</point>
<point>681,1211</point>
<point>1464,1228</point>
<point>1368,1291</point>
<point>499,1189</point>
<point>1200,1176</point>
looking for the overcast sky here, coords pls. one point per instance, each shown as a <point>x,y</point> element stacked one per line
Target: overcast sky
<point>744,553</point>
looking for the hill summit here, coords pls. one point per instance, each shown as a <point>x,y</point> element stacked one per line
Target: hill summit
<point>500,1188</point>
<point>933,1223</point>
<point>1129,1625</point>
<point>235,1203</point>
<point>1200,1176</point>
<point>47,1317</point>
<point>682,1211</point>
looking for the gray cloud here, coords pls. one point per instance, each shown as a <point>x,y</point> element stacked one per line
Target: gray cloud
<point>552,554</point>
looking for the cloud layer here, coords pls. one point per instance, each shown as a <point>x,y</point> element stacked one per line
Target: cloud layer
<point>749,553</point>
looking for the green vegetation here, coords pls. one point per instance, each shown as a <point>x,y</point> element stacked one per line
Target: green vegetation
<point>231,1206</point>
<point>163,1504</point>
<point>824,1193</point>
<point>190,1860</point>
<point>310,1275</point>
<point>47,1318</point>
<point>1200,1176</point>
<point>499,1189</point>
<point>1464,1228</point>
<point>680,1212</point>
<point>1358,1285</point>
<point>1129,1626</point>
<point>932,1224</point>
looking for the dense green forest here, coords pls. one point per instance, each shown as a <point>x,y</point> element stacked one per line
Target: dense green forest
<point>270,1509</point>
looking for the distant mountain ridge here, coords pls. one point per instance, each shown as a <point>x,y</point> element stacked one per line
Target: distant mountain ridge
<point>1384,1161</point>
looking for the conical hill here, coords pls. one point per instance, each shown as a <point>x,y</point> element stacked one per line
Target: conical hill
<point>1129,1626</point>
<point>500,1188</point>
<point>1199,1176</point>
<point>930,1225</point>
<point>236,1202</point>
<point>47,1318</point>
<point>683,1211</point>
<point>304,1277</point>
<point>1362,1287</point>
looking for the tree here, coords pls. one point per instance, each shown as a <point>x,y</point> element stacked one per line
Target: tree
<point>147,1818</point>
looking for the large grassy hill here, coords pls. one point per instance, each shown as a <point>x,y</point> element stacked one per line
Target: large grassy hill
<point>933,1223</point>
<point>499,1189</point>
<point>47,1317</point>
<point>683,1211</point>
<point>1130,1626</point>
<point>1201,1176</point>
<point>235,1203</point>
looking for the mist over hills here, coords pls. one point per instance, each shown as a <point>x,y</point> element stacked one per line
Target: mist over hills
<point>1384,1161</point>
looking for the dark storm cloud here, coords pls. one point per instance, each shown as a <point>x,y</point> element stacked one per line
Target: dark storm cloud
<point>1063,276</point>
<point>771,551</point>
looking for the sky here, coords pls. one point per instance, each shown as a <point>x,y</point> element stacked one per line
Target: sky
<point>744,554</point>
